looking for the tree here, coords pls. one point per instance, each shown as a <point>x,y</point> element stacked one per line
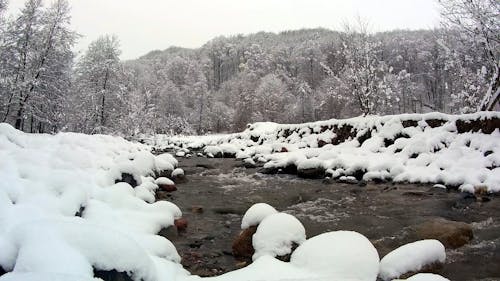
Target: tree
<point>36,55</point>
<point>99,86</point>
<point>479,21</point>
<point>271,99</point>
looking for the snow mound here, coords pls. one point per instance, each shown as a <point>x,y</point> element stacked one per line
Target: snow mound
<point>424,277</point>
<point>338,255</point>
<point>411,258</point>
<point>62,215</point>
<point>276,235</point>
<point>255,214</point>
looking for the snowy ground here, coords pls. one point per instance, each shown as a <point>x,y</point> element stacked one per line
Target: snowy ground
<point>458,151</point>
<point>62,215</point>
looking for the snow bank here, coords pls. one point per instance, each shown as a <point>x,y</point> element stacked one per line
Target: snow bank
<point>62,214</point>
<point>255,214</point>
<point>453,150</point>
<point>339,255</point>
<point>411,258</point>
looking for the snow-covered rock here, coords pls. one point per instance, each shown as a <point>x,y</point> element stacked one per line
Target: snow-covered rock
<point>62,214</point>
<point>338,255</point>
<point>424,277</point>
<point>451,150</point>
<point>411,257</point>
<point>255,214</point>
<point>276,235</point>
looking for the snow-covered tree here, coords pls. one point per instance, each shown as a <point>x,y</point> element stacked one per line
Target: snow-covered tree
<point>99,86</point>
<point>478,22</point>
<point>37,58</point>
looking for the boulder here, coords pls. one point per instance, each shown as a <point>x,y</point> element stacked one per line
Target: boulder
<point>112,275</point>
<point>168,187</point>
<point>452,234</point>
<point>242,245</point>
<point>311,173</point>
<point>178,176</point>
<point>128,178</point>
<point>181,224</point>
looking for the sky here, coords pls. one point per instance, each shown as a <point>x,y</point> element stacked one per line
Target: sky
<point>146,25</point>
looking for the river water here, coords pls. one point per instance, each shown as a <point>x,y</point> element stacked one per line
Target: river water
<point>219,191</point>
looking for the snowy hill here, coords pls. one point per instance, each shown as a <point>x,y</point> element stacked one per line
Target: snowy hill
<point>456,150</point>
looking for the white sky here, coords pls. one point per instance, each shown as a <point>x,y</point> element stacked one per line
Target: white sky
<point>146,25</point>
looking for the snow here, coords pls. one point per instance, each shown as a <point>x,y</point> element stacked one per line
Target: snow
<point>411,258</point>
<point>338,255</point>
<point>401,148</point>
<point>276,235</point>
<point>256,213</point>
<point>58,195</point>
<point>164,181</point>
<point>177,172</point>
<point>424,277</point>
<point>62,215</point>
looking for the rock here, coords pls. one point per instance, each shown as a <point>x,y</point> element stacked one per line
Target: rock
<point>197,209</point>
<point>128,178</point>
<point>348,179</point>
<point>181,224</point>
<point>111,275</point>
<point>322,143</point>
<point>242,245</point>
<point>268,171</point>
<point>327,180</point>
<point>178,176</point>
<point>168,187</point>
<point>286,258</point>
<point>311,173</point>
<point>163,174</point>
<point>283,149</point>
<point>452,234</point>
<point>362,183</point>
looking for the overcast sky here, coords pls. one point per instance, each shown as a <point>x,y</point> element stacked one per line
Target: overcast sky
<point>146,25</point>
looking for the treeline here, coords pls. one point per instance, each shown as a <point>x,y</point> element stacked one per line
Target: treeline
<point>290,77</point>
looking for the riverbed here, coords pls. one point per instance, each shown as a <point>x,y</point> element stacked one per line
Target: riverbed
<point>219,191</point>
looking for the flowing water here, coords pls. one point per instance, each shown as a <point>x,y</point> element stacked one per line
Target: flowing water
<point>219,191</point>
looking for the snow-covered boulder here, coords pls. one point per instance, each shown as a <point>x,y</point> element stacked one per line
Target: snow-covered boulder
<point>424,277</point>
<point>338,255</point>
<point>412,257</point>
<point>255,214</point>
<point>277,235</point>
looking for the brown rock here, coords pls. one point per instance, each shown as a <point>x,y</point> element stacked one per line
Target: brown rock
<point>242,245</point>
<point>452,234</point>
<point>181,224</point>
<point>197,209</point>
<point>168,187</point>
<point>283,149</point>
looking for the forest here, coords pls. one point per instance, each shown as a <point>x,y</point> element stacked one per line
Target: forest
<point>290,77</point>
